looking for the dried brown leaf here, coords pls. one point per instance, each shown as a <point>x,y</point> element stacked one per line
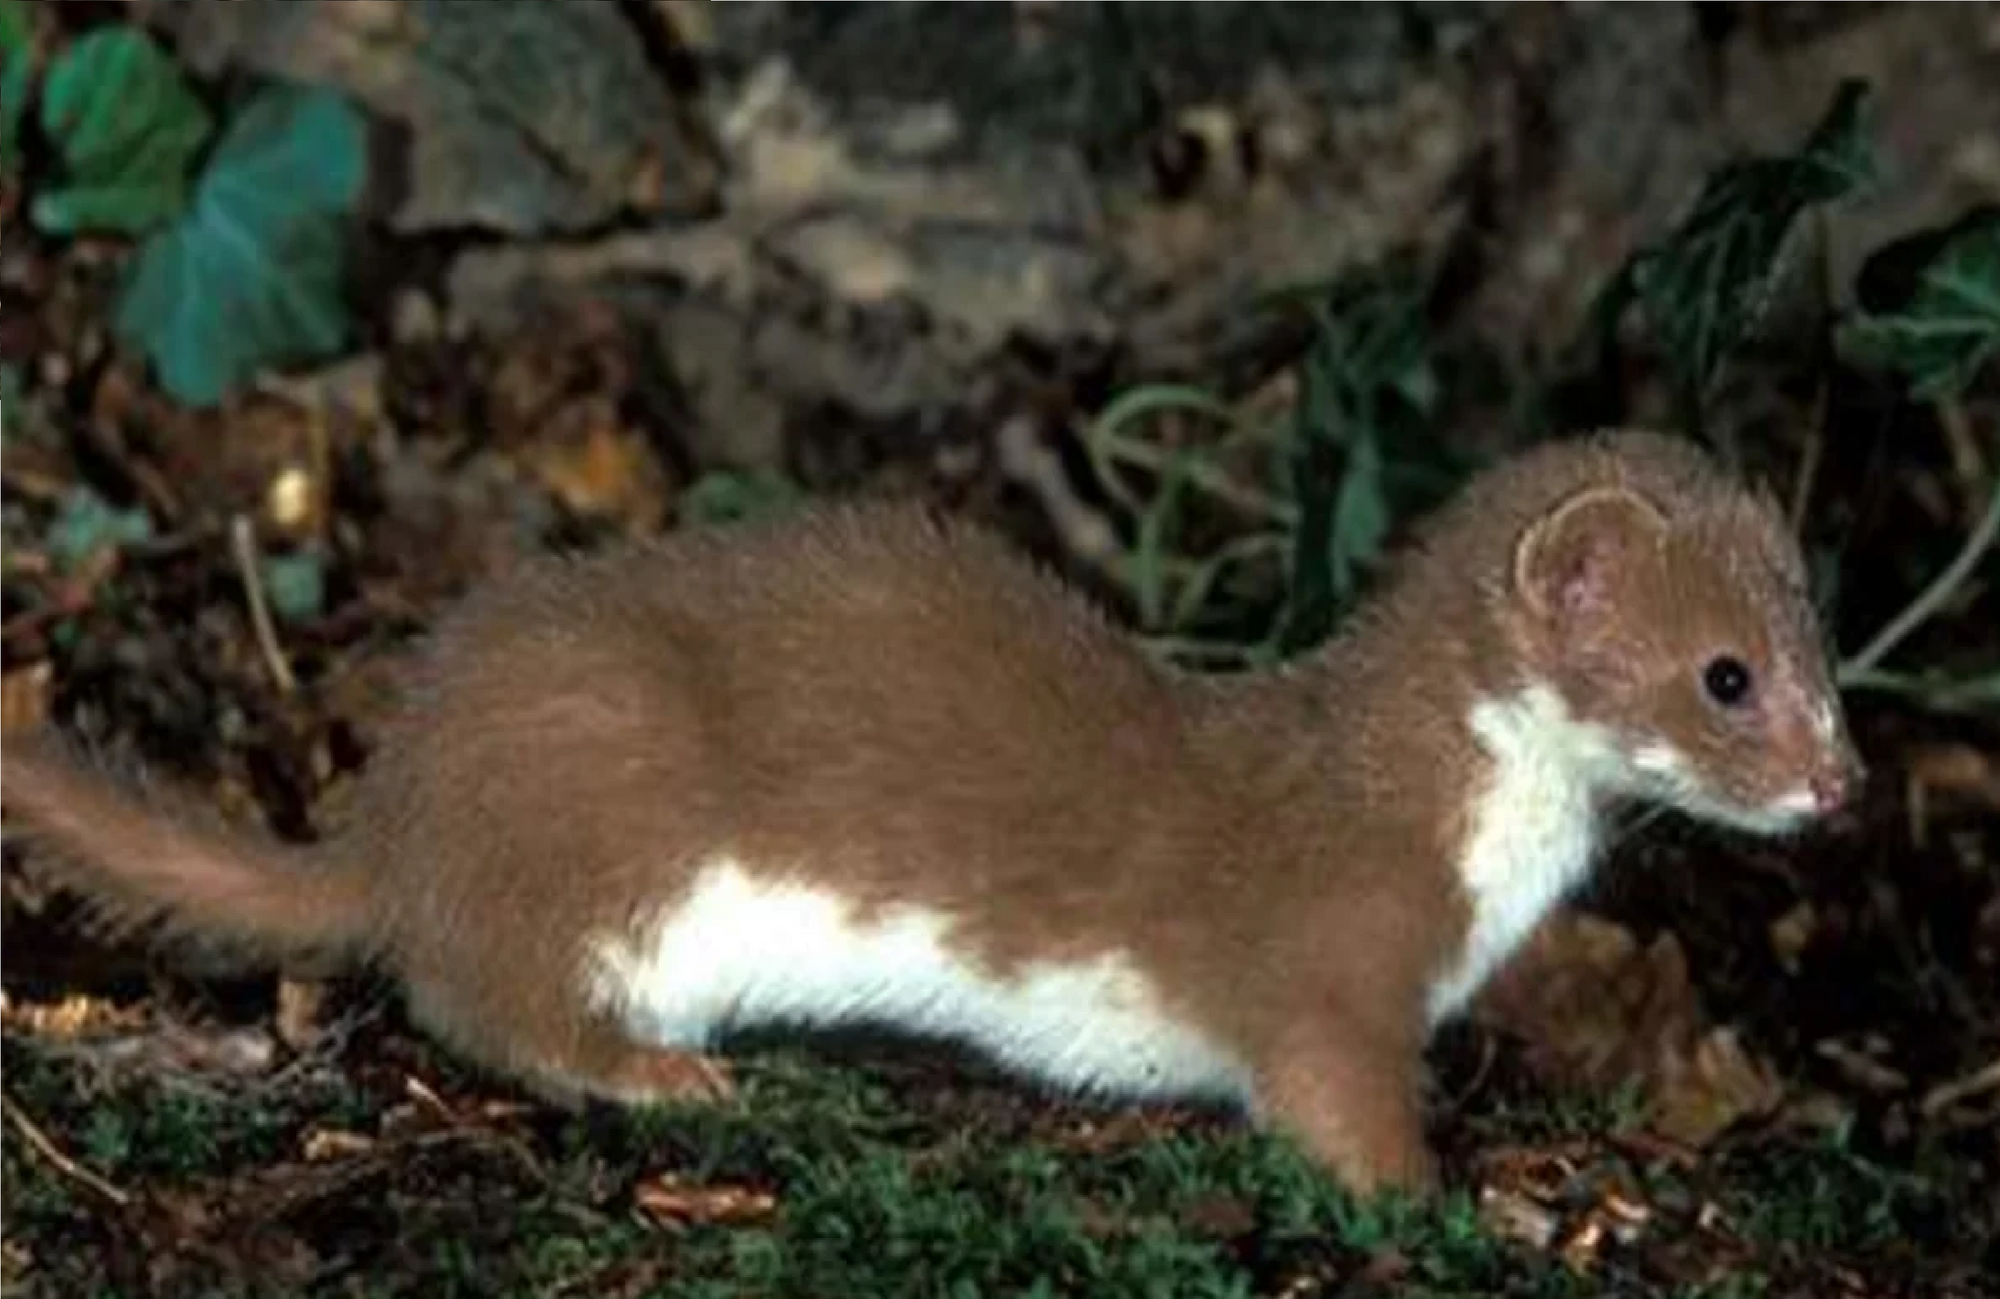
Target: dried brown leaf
<point>1593,1007</point>
<point>1511,1215</point>
<point>1861,1068</point>
<point>299,1010</point>
<point>1224,1216</point>
<point>72,1017</point>
<point>24,698</point>
<point>595,465</point>
<point>322,1145</point>
<point>1791,933</point>
<point>16,1262</point>
<point>1955,771</point>
<point>1705,1092</point>
<point>670,1198</point>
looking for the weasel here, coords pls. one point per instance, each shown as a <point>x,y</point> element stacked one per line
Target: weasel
<point>864,764</point>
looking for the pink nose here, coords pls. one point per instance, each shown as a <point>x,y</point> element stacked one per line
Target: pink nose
<point>1832,787</point>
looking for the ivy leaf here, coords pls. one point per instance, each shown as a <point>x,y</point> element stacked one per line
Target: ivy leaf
<point>1940,330</point>
<point>296,585</point>
<point>1361,516</point>
<point>251,276</point>
<point>726,496</point>
<point>126,127</point>
<point>1704,285</point>
<point>1369,384</point>
<point>88,523</point>
<point>17,76</point>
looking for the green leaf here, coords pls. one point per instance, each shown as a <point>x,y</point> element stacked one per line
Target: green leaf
<point>17,31</point>
<point>126,127</point>
<point>88,523</point>
<point>1946,328</point>
<point>251,276</point>
<point>1360,517</point>
<point>1128,409</point>
<point>17,78</point>
<point>295,584</point>
<point>727,496</point>
<point>1705,284</point>
<point>1369,384</point>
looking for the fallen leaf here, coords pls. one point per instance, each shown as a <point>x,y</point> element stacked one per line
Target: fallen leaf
<point>89,529</point>
<point>323,1144</point>
<point>1820,1112</point>
<point>24,697</point>
<point>1956,771</point>
<point>1860,1067</point>
<point>1705,1092</point>
<point>1579,1251</point>
<point>290,503</point>
<point>72,1017</point>
<point>1980,1082</point>
<point>1591,1005</point>
<point>670,1198</point>
<point>1223,1216</point>
<point>190,1050</point>
<point>1598,1011</point>
<point>300,1004</point>
<point>595,465</point>
<point>1791,933</point>
<point>1513,1216</point>
<point>15,1262</point>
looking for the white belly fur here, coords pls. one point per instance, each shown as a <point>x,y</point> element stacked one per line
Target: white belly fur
<point>741,951</point>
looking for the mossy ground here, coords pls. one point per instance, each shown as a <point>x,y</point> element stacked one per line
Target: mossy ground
<point>388,1171</point>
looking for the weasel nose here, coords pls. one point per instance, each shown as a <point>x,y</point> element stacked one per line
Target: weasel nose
<point>1833,786</point>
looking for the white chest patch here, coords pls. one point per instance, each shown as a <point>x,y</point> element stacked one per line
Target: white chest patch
<point>740,951</point>
<point>1533,831</point>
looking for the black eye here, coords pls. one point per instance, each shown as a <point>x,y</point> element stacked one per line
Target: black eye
<point>1726,680</point>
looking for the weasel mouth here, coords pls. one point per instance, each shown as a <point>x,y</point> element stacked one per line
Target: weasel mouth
<point>1680,788</point>
<point>1798,804</point>
<point>1782,815</point>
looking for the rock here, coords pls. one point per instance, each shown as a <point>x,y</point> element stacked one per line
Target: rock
<point>518,116</point>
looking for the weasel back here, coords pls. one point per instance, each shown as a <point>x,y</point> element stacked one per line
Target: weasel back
<point>154,859</point>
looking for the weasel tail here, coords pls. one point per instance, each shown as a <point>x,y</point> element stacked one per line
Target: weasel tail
<point>148,859</point>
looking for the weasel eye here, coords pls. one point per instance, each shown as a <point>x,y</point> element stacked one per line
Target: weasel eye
<point>1726,680</point>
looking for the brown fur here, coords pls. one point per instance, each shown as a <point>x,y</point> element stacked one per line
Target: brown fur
<point>900,707</point>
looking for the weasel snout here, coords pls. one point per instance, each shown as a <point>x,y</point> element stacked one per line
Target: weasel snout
<point>1835,784</point>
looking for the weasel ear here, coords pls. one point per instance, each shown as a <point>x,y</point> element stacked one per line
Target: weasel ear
<point>1568,561</point>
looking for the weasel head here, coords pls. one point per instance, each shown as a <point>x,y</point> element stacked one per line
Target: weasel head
<point>1669,606</point>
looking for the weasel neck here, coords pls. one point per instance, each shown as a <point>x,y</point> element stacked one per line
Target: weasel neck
<point>1421,738</point>
<point>1532,833</point>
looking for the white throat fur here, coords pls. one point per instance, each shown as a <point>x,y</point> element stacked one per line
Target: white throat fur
<point>1534,829</point>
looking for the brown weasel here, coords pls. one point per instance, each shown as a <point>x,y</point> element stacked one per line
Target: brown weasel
<point>862,764</point>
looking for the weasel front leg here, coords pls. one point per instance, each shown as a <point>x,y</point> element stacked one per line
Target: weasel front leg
<point>598,1059</point>
<point>566,1057</point>
<point>1351,1096</point>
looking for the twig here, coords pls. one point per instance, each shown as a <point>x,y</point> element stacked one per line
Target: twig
<point>1951,1093</point>
<point>243,543</point>
<point>1966,460</point>
<point>70,1168</point>
<point>1809,460</point>
<point>1931,599</point>
<point>427,1099</point>
<point>1086,533</point>
<point>1934,690</point>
